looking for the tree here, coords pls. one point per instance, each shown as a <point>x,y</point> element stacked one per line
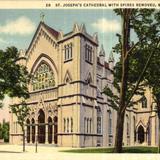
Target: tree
<point>1,135</point>
<point>13,76</point>
<point>5,131</point>
<point>14,79</point>
<point>135,55</point>
<point>152,76</point>
<point>21,111</point>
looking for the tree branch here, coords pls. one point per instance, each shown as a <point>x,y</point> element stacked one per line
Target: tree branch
<point>20,58</point>
<point>133,47</point>
<point>139,80</point>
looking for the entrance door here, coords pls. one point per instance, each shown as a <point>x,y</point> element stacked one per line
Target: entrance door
<point>140,134</point>
<point>41,127</point>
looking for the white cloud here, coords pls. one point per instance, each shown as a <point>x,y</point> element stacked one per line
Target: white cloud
<point>104,25</point>
<point>2,41</point>
<point>22,26</point>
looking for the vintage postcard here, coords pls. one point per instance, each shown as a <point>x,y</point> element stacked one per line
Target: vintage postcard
<point>79,80</point>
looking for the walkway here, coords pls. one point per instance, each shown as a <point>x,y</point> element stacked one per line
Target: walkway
<point>14,152</point>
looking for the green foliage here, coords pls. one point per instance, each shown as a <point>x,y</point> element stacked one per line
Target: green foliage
<point>113,99</point>
<point>1,131</point>
<point>21,111</point>
<point>13,76</point>
<point>143,40</point>
<point>4,131</point>
<point>153,77</point>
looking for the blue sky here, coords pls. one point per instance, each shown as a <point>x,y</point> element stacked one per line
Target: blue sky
<point>17,27</point>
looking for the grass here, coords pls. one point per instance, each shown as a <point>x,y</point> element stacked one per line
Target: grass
<point>110,150</point>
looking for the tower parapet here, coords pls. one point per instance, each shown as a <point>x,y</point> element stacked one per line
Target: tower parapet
<point>102,55</point>
<point>111,60</point>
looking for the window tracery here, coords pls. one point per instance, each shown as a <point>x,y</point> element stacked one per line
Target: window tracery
<point>43,78</point>
<point>144,102</point>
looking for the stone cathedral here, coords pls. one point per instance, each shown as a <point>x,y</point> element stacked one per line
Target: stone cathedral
<point>67,104</point>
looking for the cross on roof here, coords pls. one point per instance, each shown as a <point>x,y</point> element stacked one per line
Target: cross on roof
<point>42,15</point>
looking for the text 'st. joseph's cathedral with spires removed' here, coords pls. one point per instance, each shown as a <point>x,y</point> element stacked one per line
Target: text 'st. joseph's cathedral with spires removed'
<point>68,107</point>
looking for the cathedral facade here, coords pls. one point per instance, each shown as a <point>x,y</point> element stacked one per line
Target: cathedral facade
<point>67,103</point>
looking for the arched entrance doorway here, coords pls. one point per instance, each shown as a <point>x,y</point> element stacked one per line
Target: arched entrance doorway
<point>41,127</point>
<point>50,128</point>
<point>28,130</point>
<point>55,129</point>
<point>140,134</point>
<point>33,130</point>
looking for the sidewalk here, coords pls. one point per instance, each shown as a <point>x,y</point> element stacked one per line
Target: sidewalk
<point>14,152</point>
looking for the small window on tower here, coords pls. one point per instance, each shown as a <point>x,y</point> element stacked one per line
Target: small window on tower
<point>144,102</point>
<point>88,53</point>
<point>68,52</point>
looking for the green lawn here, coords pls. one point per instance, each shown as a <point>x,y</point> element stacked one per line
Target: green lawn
<point>110,150</point>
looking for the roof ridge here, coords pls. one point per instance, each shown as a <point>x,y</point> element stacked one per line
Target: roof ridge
<point>51,30</point>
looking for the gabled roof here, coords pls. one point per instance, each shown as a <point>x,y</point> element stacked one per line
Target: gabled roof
<point>49,29</point>
<point>140,123</point>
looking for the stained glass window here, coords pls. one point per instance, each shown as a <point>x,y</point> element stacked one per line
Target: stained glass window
<point>43,78</point>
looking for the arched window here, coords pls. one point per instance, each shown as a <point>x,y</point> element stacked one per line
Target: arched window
<point>28,130</point>
<point>99,121</point>
<point>110,123</point>
<point>64,125</point>
<point>67,124</point>
<point>127,122</point>
<point>50,130</point>
<point>87,124</point>
<point>68,52</point>
<point>55,120</point>
<point>33,130</point>
<point>144,102</point>
<point>41,126</point>
<point>141,134</point>
<point>43,77</point>
<point>134,127</point>
<point>110,136</point>
<point>84,124</point>
<point>88,53</point>
<point>90,125</point>
<point>71,124</point>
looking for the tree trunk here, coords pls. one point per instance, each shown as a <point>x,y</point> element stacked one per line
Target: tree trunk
<point>124,79</point>
<point>23,140</point>
<point>119,133</point>
<point>158,112</point>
